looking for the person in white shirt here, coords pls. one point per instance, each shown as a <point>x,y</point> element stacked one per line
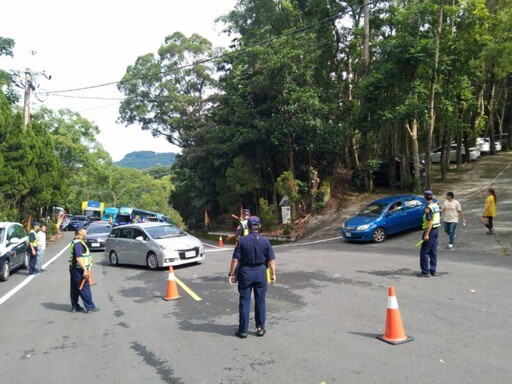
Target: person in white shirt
<point>452,213</point>
<point>41,249</point>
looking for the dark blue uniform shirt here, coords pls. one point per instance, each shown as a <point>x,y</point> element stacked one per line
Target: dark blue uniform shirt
<point>253,250</point>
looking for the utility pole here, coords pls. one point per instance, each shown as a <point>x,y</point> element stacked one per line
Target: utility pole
<point>26,104</point>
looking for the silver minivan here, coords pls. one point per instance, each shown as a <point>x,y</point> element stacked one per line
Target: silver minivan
<point>13,248</point>
<point>154,245</point>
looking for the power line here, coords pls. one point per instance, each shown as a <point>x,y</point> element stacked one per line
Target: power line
<point>295,31</point>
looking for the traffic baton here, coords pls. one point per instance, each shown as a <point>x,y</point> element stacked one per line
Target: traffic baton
<point>83,282</point>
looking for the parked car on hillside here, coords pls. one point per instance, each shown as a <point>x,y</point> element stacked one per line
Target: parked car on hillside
<point>154,245</point>
<point>503,139</point>
<point>435,155</point>
<point>97,234</point>
<point>13,248</point>
<point>484,145</point>
<point>384,217</point>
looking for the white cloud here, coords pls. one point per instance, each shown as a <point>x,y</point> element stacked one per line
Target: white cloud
<point>83,44</point>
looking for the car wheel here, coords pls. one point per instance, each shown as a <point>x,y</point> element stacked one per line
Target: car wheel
<point>113,258</point>
<point>152,261</point>
<point>379,235</point>
<point>24,265</point>
<point>6,271</point>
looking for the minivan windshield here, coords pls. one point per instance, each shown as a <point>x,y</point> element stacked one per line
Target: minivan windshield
<point>94,229</point>
<point>163,231</point>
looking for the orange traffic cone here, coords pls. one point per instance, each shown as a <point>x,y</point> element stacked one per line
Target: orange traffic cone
<point>221,244</point>
<point>172,288</point>
<point>91,280</point>
<point>395,332</point>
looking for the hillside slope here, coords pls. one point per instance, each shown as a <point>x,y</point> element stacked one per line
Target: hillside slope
<point>146,159</point>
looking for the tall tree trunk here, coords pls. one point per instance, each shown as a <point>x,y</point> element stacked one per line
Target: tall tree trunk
<point>492,111</point>
<point>412,130</point>
<point>433,82</point>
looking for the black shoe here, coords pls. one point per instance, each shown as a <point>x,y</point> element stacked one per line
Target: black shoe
<point>433,273</point>
<point>261,332</point>
<point>74,309</point>
<point>95,309</point>
<point>423,275</point>
<point>241,335</point>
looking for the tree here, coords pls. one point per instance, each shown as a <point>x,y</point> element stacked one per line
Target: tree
<point>169,94</point>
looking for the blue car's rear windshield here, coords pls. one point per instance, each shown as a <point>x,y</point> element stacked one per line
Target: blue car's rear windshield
<point>372,210</point>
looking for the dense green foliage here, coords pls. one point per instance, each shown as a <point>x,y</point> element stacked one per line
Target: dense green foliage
<point>307,88</point>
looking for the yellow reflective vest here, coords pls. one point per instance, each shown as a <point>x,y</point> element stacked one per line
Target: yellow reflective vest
<point>436,216</point>
<point>86,256</point>
<point>35,243</point>
<point>244,229</point>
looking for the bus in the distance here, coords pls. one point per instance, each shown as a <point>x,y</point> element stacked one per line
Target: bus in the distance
<point>110,214</point>
<point>128,215</point>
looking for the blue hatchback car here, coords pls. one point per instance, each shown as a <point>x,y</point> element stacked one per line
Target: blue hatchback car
<point>384,217</point>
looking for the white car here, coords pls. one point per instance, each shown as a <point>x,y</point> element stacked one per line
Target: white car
<point>484,145</point>
<point>13,248</point>
<point>154,245</point>
<point>435,155</point>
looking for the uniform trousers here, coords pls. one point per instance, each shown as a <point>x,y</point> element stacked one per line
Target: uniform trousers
<point>76,277</point>
<point>252,279</point>
<point>32,261</point>
<point>428,252</point>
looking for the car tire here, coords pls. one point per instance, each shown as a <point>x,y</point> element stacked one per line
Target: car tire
<point>6,271</point>
<point>379,235</point>
<point>26,257</point>
<point>152,261</point>
<point>113,258</point>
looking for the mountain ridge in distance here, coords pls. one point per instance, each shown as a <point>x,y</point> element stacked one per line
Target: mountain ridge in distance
<point>143,160</point>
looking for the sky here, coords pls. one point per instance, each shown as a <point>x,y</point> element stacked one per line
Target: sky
<point>88,43</point>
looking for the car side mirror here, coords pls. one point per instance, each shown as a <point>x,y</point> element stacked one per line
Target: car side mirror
<point>139,238</point>
<point>14,240</point>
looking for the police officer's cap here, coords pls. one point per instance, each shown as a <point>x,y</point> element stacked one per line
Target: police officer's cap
<point>246,211</point>
<point>428,193</point>
<point>253,221</point>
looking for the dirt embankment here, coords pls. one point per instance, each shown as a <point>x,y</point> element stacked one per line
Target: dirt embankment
<point>345,202</point>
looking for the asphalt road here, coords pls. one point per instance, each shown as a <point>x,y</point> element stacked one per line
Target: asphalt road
<point>324,314</point>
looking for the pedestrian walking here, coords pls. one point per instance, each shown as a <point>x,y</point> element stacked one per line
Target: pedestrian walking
<point>252,254</point>
<point>79,263</point>
<point>490,210</point>
<point>32,250</point>
<point>430,226</point>
<point>452,211</point>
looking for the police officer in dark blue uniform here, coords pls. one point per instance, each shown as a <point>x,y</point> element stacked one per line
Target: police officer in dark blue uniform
<point>253,253</point>
<point>79,264</point>
<point>430,226</point>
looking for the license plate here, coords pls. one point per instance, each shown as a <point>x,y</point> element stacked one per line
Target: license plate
<point>95,244</point>
<point>190,254</point>
<point>348,234</point>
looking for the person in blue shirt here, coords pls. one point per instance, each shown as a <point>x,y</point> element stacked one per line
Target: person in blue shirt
<point>430,226</point>
<point>252,254</point>
<point>33,243</point>
<point>79,263</point>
